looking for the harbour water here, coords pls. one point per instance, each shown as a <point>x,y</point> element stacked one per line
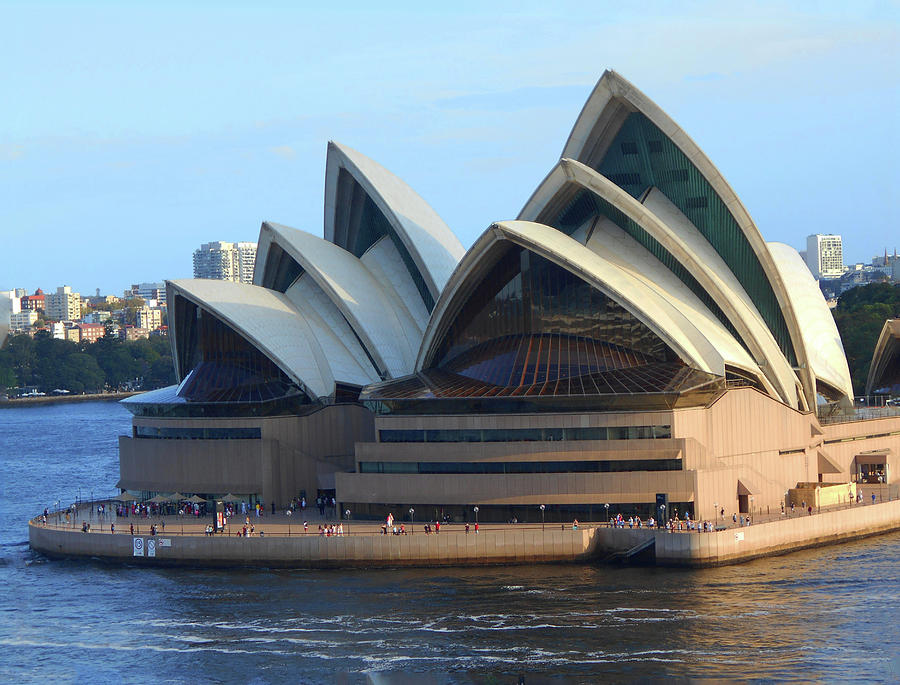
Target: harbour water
<point>830,614</point>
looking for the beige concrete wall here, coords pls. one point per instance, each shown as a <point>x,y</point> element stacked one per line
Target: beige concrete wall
<point>581,450</point>
<point>744,436</point>
<point>288,459</point>
<point>504,489</point>
<point>192,465</point>
<point>741,544</point>
<point>503,546</point>
<point>822,495</point>
<point>508,545</point>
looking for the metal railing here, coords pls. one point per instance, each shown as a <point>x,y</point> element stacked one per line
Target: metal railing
<point>865,408</point>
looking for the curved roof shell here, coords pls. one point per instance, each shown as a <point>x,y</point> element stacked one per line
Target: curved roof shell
<point>382,323</point>
<point>624,135</point>
<point>820,337</point>
<point>684,251</point>
<point>429,249</point>
<point>647,304</point>
<point>267,320</point>
<point>886,358</point>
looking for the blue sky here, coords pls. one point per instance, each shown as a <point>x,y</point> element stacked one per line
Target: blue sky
<point>130,133</point>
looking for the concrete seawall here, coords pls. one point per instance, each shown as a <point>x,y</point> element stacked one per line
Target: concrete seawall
<point>506,545</point>
<point>736,545</point>
<point>503,546</point>
<point>21,402</point>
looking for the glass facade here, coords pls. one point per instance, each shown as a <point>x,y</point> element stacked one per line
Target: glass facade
<point>639,388</point>
<point>205,433</point>
<point>281,269</point>
<point>532,323</point>
<point>641,156</point>
<point>527,434</point>
<point>585,205</point>
<point>359,224</point>
<point>224,366</point>
<point>509,467</point>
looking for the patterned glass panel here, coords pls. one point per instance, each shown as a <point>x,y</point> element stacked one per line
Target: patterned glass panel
<point>585,205</point>
<point>642,156</point>
<point>228,368</point>
<point>531,322</point>
<point>362,223</point>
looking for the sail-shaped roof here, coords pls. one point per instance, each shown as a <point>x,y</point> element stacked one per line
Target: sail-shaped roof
<point>364,202</point>
<point>573,192</point>
<point>649,305</point>
<point>626,137</point>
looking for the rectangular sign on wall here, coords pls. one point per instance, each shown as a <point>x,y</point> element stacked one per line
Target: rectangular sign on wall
<point>151,547</point>
<point>138,547</point>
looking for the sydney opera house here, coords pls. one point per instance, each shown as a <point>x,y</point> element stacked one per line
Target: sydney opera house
<point>629,341</point>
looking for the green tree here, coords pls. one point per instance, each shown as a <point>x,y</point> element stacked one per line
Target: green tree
<point>79,372</point>
<point>860,315</point>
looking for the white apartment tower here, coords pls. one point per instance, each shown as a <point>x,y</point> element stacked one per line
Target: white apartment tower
<point>825,255</point>
<point>225,261</point>
<point>63,305</point>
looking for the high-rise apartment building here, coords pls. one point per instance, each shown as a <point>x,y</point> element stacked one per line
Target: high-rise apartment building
<point>825,255</point>
<point>148,291</point>
<point>149,318</point>
<point>23,320</point>
<point>63,305</point>
<point>225,261</point>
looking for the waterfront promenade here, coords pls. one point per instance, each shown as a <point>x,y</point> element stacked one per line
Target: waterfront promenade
<point>280,540</point>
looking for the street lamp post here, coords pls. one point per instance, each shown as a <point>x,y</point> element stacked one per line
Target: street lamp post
<point>475,509</point>
<point>347,516</point>
<point>412,521</point>
<point>606,506</point>
<point>716,505</point>
<point>662,513</point>
<point>542,518</point>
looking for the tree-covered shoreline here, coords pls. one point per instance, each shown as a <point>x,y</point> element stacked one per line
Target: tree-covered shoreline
<point>49,364</point>
<point>860,315</point>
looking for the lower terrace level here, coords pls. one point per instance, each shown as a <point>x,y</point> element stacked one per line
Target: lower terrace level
<point>280,541</point>
<point>742,454</point>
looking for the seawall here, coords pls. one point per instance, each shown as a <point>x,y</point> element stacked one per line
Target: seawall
<point>20,402</point>
<point>490,546</point>
<point>735,545</point>
<point>499,545</point>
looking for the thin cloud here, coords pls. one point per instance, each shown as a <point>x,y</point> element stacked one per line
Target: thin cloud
<point>284,151</point>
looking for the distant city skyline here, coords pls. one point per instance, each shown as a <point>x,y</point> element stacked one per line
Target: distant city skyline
<point>114,170</point>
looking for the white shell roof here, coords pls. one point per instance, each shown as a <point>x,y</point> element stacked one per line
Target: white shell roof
<point>617,247</point>
<point>611,88</point>
<point>430,242</point>
<point>380,320</point>
<point>270,322</point>
<point>646,303</point>
<point>668,226</point>
<point>386,264</point>
<point>885,351</point>
<point>821,339</point>
<point>346,357</point>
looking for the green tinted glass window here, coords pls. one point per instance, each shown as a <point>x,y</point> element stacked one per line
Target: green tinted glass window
<point>642,156</point>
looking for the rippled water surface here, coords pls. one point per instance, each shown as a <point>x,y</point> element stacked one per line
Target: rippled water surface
<point>823,615</point>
